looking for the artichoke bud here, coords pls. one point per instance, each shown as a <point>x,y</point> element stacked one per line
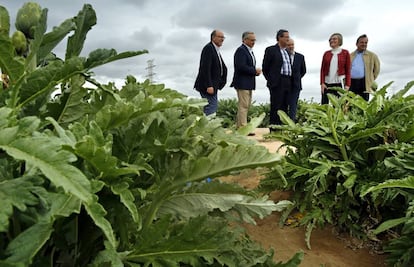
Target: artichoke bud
<point>28,17</point>
<point>19,42</point>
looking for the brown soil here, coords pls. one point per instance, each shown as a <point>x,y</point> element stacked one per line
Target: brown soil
<point>329,249</point>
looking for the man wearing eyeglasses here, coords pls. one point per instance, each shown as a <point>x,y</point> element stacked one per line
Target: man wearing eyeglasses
<point>212,72</point>
<point>244,79</point>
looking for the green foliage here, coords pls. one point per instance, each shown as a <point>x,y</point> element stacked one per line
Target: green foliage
<point>227,111</point>
<point>341,150</point>
<point>4,21</point>
<point>94,175</point>
<point>400,249</point>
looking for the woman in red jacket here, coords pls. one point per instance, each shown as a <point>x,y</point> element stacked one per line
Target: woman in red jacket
<point>335,69</point>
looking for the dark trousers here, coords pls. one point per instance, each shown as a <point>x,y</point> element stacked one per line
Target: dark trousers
<point>358,87</point>
<point>325,99</point>
<point>293,103</point>
<point>279,96</point>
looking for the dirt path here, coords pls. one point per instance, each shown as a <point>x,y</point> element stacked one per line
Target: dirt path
<point>328,249</point>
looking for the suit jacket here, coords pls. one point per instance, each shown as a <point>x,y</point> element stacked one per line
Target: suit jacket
<point>272,64</point>
<point>244,69</point>
<point>298,71</point>
<point>210,72</point>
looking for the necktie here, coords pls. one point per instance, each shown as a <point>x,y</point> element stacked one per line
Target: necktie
<point>221,63</point>
<point>254,59</point>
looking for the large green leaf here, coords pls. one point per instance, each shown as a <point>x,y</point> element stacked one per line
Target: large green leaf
<point>103,56</point>
<point>44,80</point>
<point>252,125</point>
<point>9,64</point>
<point>24,247</point>
<point>97,213</point>
<point>84,21</point>
<point>407,182</point>
<point>198,242</point>
<point>127,198</point>
<point>96,148</point>
<point>197,204</point>
<point>71,107</point>
<point>390,224</point>
<point>224,160</point>
<point>52,39</point>
<point>15,193</point>
<point>45,153</point>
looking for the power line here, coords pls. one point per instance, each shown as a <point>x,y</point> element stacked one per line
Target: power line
<point>150,70</point>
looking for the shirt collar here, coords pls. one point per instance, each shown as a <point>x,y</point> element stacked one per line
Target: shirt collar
<point>248,48</point>
<point>217,47</point>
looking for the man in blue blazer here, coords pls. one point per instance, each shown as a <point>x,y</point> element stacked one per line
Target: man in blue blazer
<point>244,78</point>
<point>212,73</point>
<point>298,71</point>
<point>278,73</point>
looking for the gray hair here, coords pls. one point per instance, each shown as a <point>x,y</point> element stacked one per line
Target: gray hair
<point>246,34</point>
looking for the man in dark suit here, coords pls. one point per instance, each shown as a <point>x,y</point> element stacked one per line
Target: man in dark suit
<point>278,73</point>
<point>212,73</point>
<point>244,79</point>
<point>298,71</point>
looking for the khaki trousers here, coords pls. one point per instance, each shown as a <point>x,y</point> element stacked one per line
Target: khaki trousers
<point>245,99</point>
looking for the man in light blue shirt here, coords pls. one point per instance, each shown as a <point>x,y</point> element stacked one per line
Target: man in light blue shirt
<point>364,69</point>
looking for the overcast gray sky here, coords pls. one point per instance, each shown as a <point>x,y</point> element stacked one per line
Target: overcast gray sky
<point>175,31</point>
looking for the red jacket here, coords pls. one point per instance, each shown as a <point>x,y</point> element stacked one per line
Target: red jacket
<point>344,65</point>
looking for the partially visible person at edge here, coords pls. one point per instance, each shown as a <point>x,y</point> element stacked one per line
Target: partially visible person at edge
<point>364,69</point>
<point>212,72</point>
<point>298,71</point>
<point>277,71</point>
<point>335,68</point>
<point>244,78</point>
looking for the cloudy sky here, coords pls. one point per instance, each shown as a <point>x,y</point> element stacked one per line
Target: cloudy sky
<point>175,31</point>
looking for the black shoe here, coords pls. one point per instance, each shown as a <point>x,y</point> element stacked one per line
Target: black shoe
<point>251,134</point>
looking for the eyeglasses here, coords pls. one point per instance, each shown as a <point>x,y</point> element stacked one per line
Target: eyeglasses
<point>253,40</point>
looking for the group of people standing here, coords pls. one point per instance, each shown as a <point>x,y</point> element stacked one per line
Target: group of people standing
<point>283,69</point>
<point>355,72</point>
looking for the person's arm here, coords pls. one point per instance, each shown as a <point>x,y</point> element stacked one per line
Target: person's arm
<point>303,67</point>
<point>322,74</point>
<point>377,66</point>
<point>206,63</point>
<point>347,70</point>
<point>205,68</point>
<point>267,58</point>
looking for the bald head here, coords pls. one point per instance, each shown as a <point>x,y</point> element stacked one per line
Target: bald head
<point>291,45</point>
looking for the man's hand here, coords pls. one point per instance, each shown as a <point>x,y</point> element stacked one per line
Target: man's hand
<point>323,88</point>
<point>210,90</point>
